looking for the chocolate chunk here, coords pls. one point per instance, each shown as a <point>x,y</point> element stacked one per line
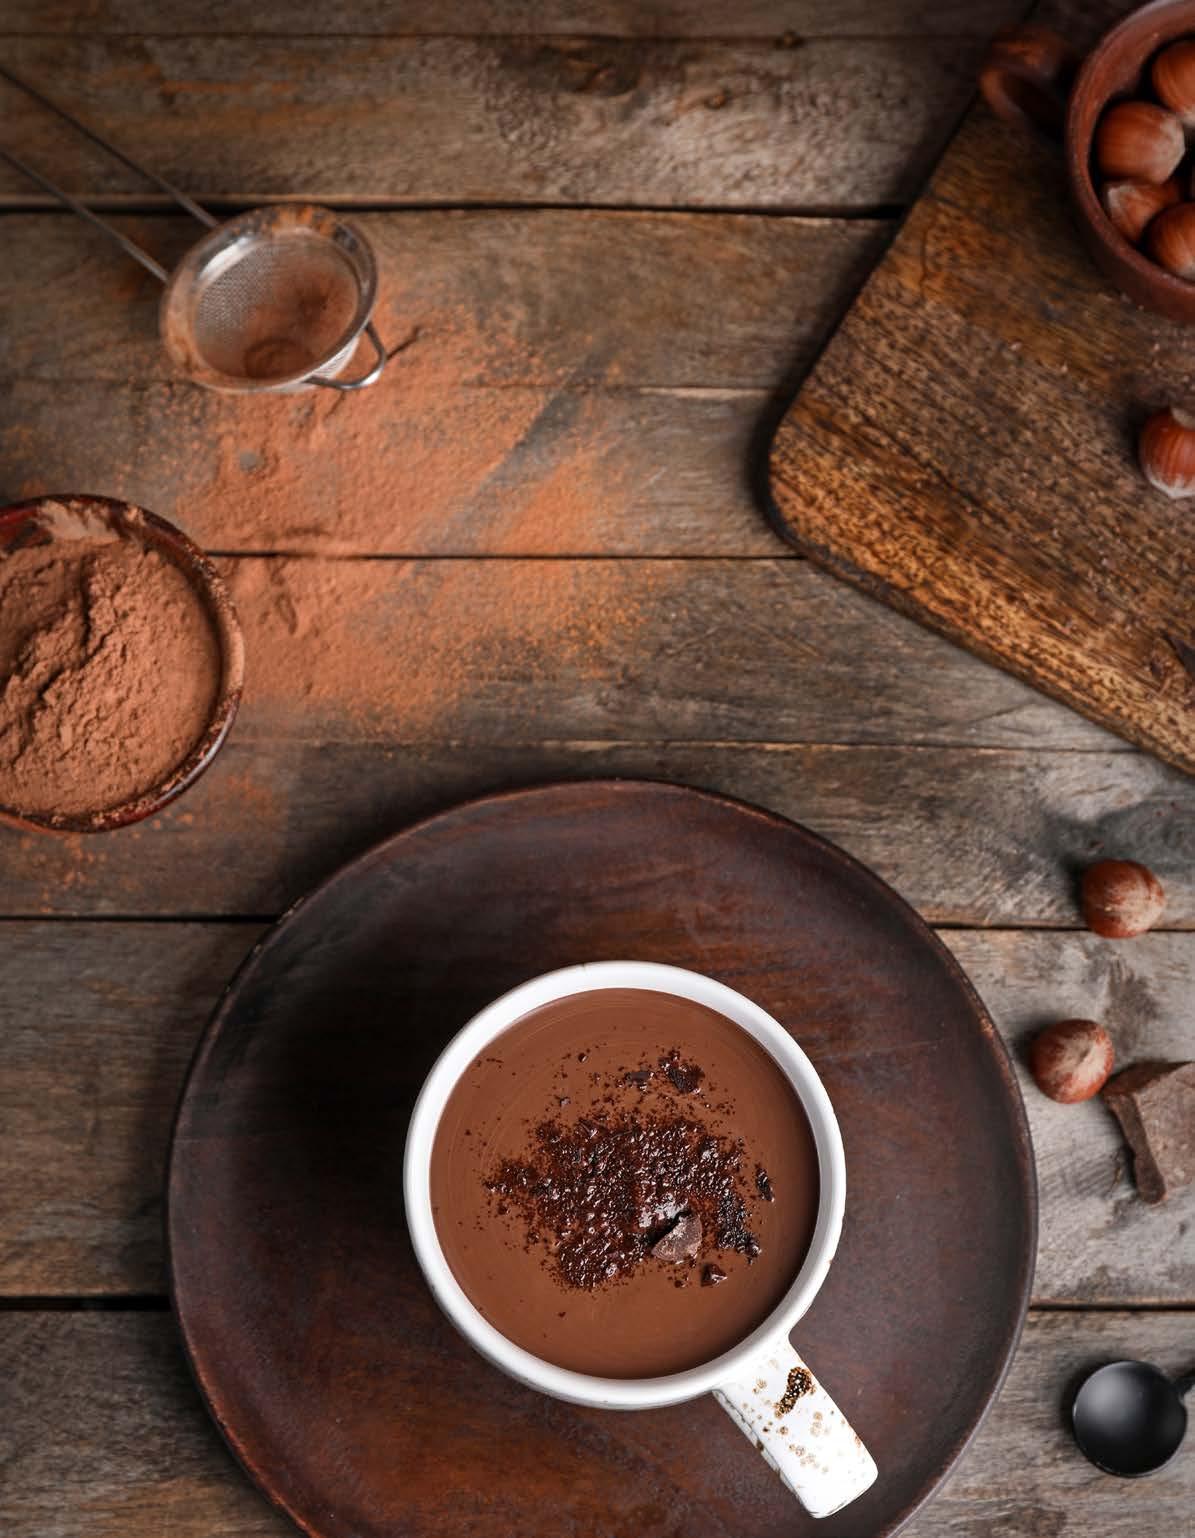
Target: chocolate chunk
<point>712,1275</point>
<point>685,1077</point>
<point>681,1242</point>
<point>1155,1106</point>
<point>639,1077</point>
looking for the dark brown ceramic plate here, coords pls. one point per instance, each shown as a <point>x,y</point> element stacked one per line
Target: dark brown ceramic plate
<point>334,1377</point>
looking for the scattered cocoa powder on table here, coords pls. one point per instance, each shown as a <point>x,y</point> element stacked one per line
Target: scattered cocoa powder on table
<point>109,668</point>
<point>430,460</point>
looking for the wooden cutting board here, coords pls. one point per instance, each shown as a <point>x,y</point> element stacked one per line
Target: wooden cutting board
<point>964,447</point>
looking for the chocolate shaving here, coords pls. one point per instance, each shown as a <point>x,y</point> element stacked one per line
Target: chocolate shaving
<point>763,1185</point>
<point>598,1189</point>
<point>712,1275</point>
<point>685,1077</point>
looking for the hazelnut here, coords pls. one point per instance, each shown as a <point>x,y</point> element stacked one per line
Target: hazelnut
<point>1166,452</point>
<point>1137,140</point>
<point>1071,1061</point>
<point>1120,899</point>
<point>1171,240</point>
<point>1131,205</point>
<point>1174,80</point>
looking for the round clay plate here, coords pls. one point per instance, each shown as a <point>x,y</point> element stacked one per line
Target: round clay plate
<point>334,1377</point>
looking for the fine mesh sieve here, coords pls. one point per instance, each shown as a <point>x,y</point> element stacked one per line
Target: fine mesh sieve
<point>272,300</point>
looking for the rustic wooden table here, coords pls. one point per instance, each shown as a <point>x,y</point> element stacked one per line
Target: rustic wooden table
<point>609,250</point>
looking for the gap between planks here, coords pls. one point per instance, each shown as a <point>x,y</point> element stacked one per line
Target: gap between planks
<point>155,1303</point>
<point>135,206</point>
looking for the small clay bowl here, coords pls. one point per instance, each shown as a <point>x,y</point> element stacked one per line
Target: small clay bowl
<point>24,523</point>
<point>1032,77</point>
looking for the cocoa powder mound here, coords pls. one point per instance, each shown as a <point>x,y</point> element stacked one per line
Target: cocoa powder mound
<point>109,669</point>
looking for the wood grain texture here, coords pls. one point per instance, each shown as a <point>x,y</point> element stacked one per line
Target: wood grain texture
<point>107,1439</point>
<point>102,1433</point>
<point>1098,1241</point>
<point>466,471</point>
<point>541,403</point>
<point>513,120</point>
<point>769,19</point>
<point>984,838</point>
<point>574,298</point>
<point>997,498</point>
<point>741,650</point>
<point>90,1073</point>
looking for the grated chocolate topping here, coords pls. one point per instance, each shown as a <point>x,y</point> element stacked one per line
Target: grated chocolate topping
<point>601,1193</point>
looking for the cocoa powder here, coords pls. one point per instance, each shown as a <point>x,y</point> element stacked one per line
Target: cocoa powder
<point>387,649</point>
<point>109,669</point>
<point>443,456</point>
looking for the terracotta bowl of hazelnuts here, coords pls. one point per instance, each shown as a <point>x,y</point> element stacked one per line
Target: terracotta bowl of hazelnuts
<point>1126,119</point>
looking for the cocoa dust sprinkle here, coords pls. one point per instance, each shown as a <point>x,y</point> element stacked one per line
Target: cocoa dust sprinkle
<point>605,1191</point>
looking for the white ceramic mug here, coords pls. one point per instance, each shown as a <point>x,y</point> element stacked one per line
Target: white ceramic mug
<point>761,1383</point>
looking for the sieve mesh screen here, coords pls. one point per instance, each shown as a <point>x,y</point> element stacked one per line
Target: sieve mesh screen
<point>280,307</point>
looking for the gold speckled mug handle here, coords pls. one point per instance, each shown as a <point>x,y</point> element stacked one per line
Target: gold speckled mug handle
<point>781,1407</point>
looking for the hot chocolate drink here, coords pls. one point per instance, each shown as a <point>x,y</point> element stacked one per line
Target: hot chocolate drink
<point>624,1183</point>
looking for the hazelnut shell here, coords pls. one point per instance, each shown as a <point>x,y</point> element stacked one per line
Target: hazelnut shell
<point>1166,452</point>
<point>1131,205</point>
<point>1171,240</point>
<point>1140,141</point>
<point>1120,899</point>
<point>1173,77</point>
<point>1071,1061</point>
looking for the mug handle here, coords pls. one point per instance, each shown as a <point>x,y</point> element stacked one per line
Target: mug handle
<point>780,1406</point>
<point>1026,77</point>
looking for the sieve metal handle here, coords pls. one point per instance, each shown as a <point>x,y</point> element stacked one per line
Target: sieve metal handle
<point>363,379</point>
<point>184,202</point>
<point>130,246</point>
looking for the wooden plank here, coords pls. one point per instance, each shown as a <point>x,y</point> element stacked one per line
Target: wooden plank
<point>412,468</point>
<point>992,837</point>
<point>92,1069</point>
<point>1098,1242</point>
<point>500,297</point>
<point>90,1073</point>
<point>1024,1474</point>
<point>107,1439</point>
<point>998,500</point>
<point>105,1434</point>
<point>749,650</point>
<point>545,405</point>
<point>770,19</point>
<point>516,120</point>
